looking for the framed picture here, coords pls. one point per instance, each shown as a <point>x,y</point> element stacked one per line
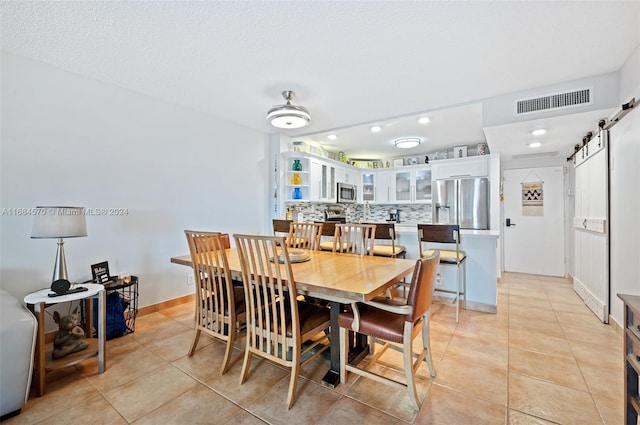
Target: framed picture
<point>459,151</point>
<point>398,162</point>
<point>100,272</point>
<point>412,161</point>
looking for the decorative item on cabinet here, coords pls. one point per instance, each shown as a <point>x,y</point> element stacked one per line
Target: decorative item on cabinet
<point>296,166</point>
<point>426,159</point>
<point>481,149</point>
<point>297,193</point>
<point>296,179</point>
<point>459,151</point>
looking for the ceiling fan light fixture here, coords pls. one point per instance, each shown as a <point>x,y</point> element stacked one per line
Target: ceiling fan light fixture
<point>407,142</point>
<point>288,115</point>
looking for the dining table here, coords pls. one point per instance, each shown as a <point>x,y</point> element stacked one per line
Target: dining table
<point>340,279</point>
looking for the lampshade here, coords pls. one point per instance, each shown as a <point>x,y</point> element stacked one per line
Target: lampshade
<point>407,142</point>
<point>59,222</point>
<point>288,115</point>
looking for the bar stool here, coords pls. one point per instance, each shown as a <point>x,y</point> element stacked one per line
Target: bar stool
<point>447,234</point>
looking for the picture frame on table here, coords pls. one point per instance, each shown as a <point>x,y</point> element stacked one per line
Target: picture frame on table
<point>459,151</point>
<point>100,272</point>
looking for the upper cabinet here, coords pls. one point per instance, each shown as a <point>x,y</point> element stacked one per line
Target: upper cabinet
<point>474,166</point>
<point>323,181</point>
<point>411,185</point>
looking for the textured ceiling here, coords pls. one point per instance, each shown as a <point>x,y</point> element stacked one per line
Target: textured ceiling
<point>349,62</point>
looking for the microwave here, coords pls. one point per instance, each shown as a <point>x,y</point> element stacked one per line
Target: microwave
<point>347,193</point>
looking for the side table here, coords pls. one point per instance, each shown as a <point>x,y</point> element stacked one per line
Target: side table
<point>37,302</point>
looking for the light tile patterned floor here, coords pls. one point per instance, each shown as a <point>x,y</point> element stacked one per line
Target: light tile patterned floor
<point>543,358</point>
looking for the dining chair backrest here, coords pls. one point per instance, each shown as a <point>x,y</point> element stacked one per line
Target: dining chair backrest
<point>202,244</point>
<point>305,235</point>
<point>328,228</point>
<point>354,238</point>
<point>281,227</point>
<point>421,287</point>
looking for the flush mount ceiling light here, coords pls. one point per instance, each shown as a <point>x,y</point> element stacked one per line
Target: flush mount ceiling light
<point>376,129</point>
<point>332,137</point>
<point>539,131</point>
<point>535,144</point>
<point>288,115</point>
<point>424,120</point>
<point>407,142</point>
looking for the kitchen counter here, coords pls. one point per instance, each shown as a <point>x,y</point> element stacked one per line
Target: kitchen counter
<point>482,268</point>
<point>411,228</point>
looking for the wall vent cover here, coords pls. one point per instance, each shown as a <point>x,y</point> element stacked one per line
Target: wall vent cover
<point>554,101</point>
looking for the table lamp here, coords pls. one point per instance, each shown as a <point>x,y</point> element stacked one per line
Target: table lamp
<point>59,223</point>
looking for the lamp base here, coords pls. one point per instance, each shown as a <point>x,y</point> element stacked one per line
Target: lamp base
<point>60,268</point>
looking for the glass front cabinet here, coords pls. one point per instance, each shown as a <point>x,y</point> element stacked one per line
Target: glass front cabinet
<point>411,186</point>
<point>368,187</point>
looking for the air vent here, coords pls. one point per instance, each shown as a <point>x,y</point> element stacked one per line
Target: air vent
<point>554,101</point>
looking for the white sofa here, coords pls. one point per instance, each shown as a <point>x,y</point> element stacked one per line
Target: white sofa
<point>18,330</point>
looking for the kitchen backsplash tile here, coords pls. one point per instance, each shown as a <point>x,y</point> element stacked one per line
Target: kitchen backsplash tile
<point>409,214</point>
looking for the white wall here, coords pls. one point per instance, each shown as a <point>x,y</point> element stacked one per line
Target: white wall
<point>625,192</point>
<point>68,140</point>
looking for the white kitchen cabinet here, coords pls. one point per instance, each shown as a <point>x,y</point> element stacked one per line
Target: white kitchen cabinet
<point>474,166</point>
<point>382,188</point>
<point>368,192</point>
<point>322,177</point>
<point>351,176</point>
<point>411,185</point>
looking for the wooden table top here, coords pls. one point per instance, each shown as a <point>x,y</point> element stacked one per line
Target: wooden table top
<point>336,277</point>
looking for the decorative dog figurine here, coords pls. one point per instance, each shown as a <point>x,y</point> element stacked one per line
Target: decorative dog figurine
<point>69,338</point>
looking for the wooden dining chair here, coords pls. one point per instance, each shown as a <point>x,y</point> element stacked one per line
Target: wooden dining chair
<point>277,322</point>
<point>219,304</point>
<point>447,238</point>
<point>354,238</point>
<point>305,235</point>
<point>391,323</point>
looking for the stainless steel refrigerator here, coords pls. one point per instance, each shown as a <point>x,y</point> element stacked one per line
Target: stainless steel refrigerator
<point>462,201</point>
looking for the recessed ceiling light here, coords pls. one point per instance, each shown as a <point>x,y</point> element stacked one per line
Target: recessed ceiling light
<point>535,144</point>
<point>376,129</point>
<point>332,137</point>
<point>539,131</point>
<point>407,142</point>
<point>424,120</point>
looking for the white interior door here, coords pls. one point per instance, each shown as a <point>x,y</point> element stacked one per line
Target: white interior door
<point>534,243</point>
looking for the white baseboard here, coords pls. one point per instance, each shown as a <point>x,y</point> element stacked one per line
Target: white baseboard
<point>598,307</point>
